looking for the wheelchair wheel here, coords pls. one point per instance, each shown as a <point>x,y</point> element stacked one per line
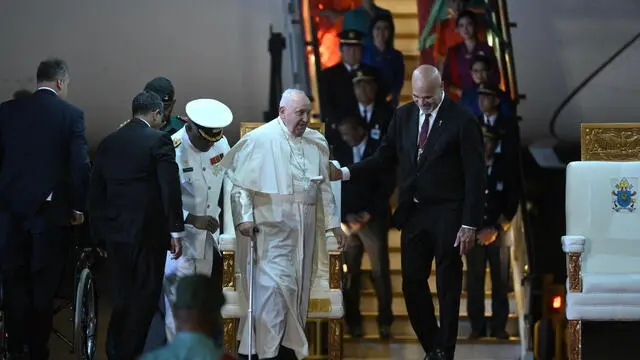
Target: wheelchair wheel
<point>4,351</point>
<point>85,321</point>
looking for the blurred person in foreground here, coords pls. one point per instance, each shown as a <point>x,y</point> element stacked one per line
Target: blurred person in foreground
<point>279,173</point>
<point>136,212</point>
<point>196,313</point>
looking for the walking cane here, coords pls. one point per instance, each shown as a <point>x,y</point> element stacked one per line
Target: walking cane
<point>252,256</point>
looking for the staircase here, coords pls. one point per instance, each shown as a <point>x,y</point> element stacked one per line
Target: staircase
<point>404,344</point>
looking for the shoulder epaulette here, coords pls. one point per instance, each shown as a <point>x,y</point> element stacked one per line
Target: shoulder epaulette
<point>176,142</point>
<point>184,119</point>
<point>124,123</point>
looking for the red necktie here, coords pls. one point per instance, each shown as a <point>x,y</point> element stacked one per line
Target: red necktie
<point>424,131</point>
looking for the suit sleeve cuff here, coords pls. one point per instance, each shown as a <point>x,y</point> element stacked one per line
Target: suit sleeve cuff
<point>468,227</point>
<point>346,174</point>
<point>177,234</point>
<point>185,214</point>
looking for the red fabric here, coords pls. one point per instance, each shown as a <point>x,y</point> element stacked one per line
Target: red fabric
<point>447,34</point>
<point>227,357</point>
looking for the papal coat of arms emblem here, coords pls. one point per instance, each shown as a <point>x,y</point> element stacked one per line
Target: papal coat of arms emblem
<point>624,196</point>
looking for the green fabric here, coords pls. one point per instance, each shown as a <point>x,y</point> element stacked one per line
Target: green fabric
<point>439,12</point>
<point>187,346</point>
<point>173,125</point>
<point>198,292</point>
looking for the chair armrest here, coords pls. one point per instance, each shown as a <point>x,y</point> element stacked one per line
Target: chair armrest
<point>573,243</point>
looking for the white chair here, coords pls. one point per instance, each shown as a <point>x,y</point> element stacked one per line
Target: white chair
<point>602,245</point>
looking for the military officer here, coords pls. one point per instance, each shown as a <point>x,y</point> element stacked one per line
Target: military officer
<point>199,146</point>
<point>500,206</point>
<point>164,88</point>
<point>337,98</point>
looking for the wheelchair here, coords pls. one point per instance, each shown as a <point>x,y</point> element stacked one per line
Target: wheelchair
<point>82,302</point>
<point>82,305</point>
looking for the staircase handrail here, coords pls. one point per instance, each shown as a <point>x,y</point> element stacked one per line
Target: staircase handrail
<point>585,82</point>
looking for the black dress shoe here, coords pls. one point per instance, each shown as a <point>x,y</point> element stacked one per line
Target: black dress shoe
<point>355,331</point>
<point>476,334</point>
<point>435,355</point>
<point>385,332</point>
<point>501,335</point>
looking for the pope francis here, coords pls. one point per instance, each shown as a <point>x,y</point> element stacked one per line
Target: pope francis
<point>279,173</point>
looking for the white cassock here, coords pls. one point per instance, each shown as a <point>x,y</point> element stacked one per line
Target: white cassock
<point>201,178</point>
<point>278,180</point>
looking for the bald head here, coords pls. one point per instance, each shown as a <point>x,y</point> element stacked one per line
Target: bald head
<point>426,87</point>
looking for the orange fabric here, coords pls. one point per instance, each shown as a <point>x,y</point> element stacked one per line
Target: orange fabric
<point>327,30</point>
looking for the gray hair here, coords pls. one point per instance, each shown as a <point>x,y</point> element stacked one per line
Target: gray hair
<point>289,94</point>
<point>52,69</point>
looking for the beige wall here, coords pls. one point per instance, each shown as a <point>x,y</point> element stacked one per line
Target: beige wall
<point>208,48</point>
<point>557,44</point>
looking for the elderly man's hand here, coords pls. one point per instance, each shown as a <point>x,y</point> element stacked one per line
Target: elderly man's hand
<point>247,228</point>
<point>335,174</point>
<point>340,236</point>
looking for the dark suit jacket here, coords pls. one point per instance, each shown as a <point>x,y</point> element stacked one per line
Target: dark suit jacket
<point>371,196</point>
<point>135,187</point>
<point>337,98</point>
<point>43,150</point>
<point>381,117</point>
<point>503,192</point>
<point>509,132</point>
<point>451,171</point>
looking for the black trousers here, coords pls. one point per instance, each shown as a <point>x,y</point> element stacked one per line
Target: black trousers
<point>477,259</point>
<point>136,272</point>
<point>430,232</point>
<point>33,252</point>
<point>373,238</point>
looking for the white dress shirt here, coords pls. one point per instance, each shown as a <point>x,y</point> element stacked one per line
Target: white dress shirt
<point>358,150</point>
<point>366,111</point>
<point>350,68</point>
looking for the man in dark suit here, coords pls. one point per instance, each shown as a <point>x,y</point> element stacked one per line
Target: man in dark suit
<point>365,209</point>
<point>437,145</point>
<point>337,99</point>
<point>489,102</point>
<point>377,114</point>
<point>500,206</point>
<point>136,212</point>
<point>44,176</point>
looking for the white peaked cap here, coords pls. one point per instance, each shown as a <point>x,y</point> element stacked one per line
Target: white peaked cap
<point>209,113</point>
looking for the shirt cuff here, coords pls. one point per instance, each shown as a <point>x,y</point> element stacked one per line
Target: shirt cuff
<point>346,174</point>
<point>468,227</point>
<point>78,212</point>
<point>177,234</point>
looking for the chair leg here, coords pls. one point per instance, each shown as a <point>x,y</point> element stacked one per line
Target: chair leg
<point>335,339</point>
<point>230,333</point>
<point>575,339</point>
